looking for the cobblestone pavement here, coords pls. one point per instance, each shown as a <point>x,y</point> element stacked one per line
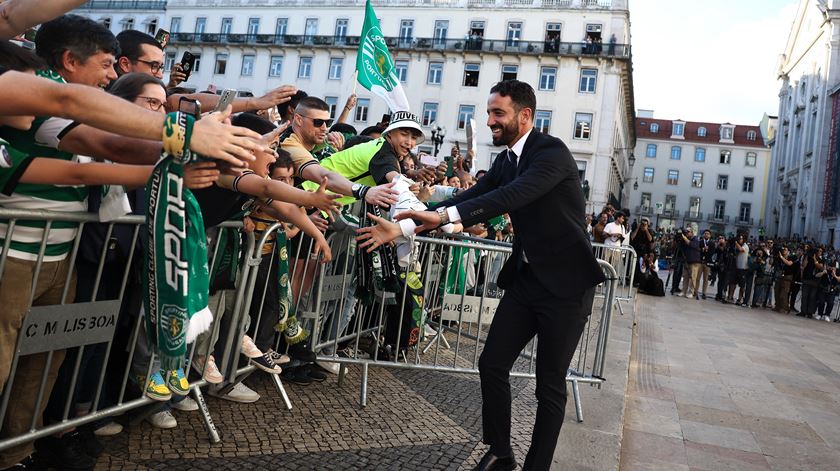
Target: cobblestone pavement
<point>414,420</point>
<point>719,387</point>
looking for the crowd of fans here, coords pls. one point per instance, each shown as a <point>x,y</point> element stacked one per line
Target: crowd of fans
<point>103,115</point>
<point>790,276</point>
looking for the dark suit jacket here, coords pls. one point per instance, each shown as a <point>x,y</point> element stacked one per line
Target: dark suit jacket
<point>546,206</point>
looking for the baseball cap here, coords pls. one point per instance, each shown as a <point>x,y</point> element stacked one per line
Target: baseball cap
<point>405,119</point>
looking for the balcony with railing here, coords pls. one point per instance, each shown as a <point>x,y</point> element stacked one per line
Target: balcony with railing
<point>744,221</point>
<point>125,5</point>
<point>715,218</point>
<point>644,210</point>
<point>693,216</point>
<point>542,4</point>
<point>477,45</point>
<point>670,214</point>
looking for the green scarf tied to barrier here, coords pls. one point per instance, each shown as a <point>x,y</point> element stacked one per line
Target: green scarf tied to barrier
<point>287,322</point>
<point>176,276</point>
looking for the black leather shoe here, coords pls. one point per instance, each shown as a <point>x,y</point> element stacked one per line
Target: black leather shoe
<point>491,462</point>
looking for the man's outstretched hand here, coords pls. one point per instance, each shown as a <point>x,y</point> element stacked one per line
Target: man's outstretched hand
<point>429,220</point>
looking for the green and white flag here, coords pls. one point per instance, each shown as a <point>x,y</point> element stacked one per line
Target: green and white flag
<point>375,68</point>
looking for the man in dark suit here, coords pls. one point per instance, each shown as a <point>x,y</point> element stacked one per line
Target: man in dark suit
<point>549,280</point>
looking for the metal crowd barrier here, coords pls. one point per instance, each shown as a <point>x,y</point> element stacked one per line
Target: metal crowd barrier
<point>455,299</point>
<point>457,286</point>
<point>101,335</point>
<point>625,261</point>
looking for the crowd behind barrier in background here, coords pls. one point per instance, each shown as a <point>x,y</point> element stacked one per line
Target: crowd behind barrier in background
<point>788,275</point>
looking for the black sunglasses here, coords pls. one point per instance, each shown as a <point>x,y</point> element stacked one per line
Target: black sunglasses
<point>317,122</point>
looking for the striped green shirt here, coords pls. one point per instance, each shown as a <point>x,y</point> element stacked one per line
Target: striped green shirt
<point>41,140</point>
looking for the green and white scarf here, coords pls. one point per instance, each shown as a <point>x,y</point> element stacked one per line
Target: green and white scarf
<point>287,321</point>
<point>177,275</point>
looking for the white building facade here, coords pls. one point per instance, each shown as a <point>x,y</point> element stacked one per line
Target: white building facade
<point>142,15</point>
<point>449,53</point>
<point>805,171</point>
<point>706,175</point>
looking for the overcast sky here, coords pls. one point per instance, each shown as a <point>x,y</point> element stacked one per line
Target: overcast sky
<point>709,60</point>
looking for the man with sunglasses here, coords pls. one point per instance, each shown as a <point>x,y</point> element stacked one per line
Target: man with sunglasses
<point>139,52</point>
<point>310,125</point>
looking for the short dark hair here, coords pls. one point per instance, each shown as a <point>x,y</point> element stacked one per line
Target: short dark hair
<point>343,128</point>
<point>254,122</point>
<point>312,103</point>
<point>480,172</point>
<point>81,36</point>
<point>283,108</point>
<point>520,93</point>
<point>284,160</point>
<point>131,41</point>
<point>14,57</point>
<point>356,140</point>
<point>372,130</point>
<point>129,86</point>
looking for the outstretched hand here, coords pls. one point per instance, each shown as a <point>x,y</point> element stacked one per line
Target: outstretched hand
<point>325,201</point>
<point>382,195</point>
<point>383,232</point>
<point>214,138</point>
<point>429,219</point>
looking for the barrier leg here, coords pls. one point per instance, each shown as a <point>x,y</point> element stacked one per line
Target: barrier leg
<point>279,385</point>
<point>342,373</point>
<point>212,431</point>
<point>620,310</point>
<point>578,405</point>
<point>363,388</point>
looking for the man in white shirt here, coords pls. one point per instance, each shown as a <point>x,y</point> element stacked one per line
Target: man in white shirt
<point>616,236</point>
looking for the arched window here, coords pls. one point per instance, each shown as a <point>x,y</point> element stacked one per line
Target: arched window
<point>750,135</point>
<point>654,128</point>
<point>701,132</point>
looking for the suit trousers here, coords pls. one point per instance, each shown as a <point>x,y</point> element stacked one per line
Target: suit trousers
<point>528,309</point>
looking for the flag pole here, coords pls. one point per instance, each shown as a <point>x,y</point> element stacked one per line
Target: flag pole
<point>355,80</point>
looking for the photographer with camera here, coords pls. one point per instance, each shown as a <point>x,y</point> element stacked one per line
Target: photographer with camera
<point>707,252</point>
<point>758,270</point>
<point>693,259</point>
<point>813,271</point>
<point>784,268</point>
<point>678,261</point>
<point>828,294</point>
<point>738,252</point>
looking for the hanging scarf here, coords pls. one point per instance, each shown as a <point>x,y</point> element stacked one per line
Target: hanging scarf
<point>176,275</point>
<point>287,322</point>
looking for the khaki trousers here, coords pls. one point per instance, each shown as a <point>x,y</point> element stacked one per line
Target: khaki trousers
<point>15,291</point>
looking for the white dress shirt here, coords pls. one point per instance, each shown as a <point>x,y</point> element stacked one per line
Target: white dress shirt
<point>518,146</point>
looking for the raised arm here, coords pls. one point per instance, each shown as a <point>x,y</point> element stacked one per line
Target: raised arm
<point>18,15</point>
<point>263,188</point>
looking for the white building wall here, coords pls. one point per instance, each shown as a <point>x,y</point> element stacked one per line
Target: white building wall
<point>807,73</point>
<point>610,106</point>
<point>733,196</point>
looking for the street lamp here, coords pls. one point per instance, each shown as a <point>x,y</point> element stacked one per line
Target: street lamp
<point>438,133</point>
<point>632,160</point>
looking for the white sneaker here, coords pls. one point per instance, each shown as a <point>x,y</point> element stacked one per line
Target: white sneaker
<point>239,393</point>
<point>428,331</point>
<point>163,419</point>
<point>330,366</point>
<point>210,371</point>
<point>108,430</point>
<point>187,404</point>
<point>826,318</point>
<point>249,349</point>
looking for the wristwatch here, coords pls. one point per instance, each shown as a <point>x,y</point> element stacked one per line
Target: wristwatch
<point>444,215</point>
